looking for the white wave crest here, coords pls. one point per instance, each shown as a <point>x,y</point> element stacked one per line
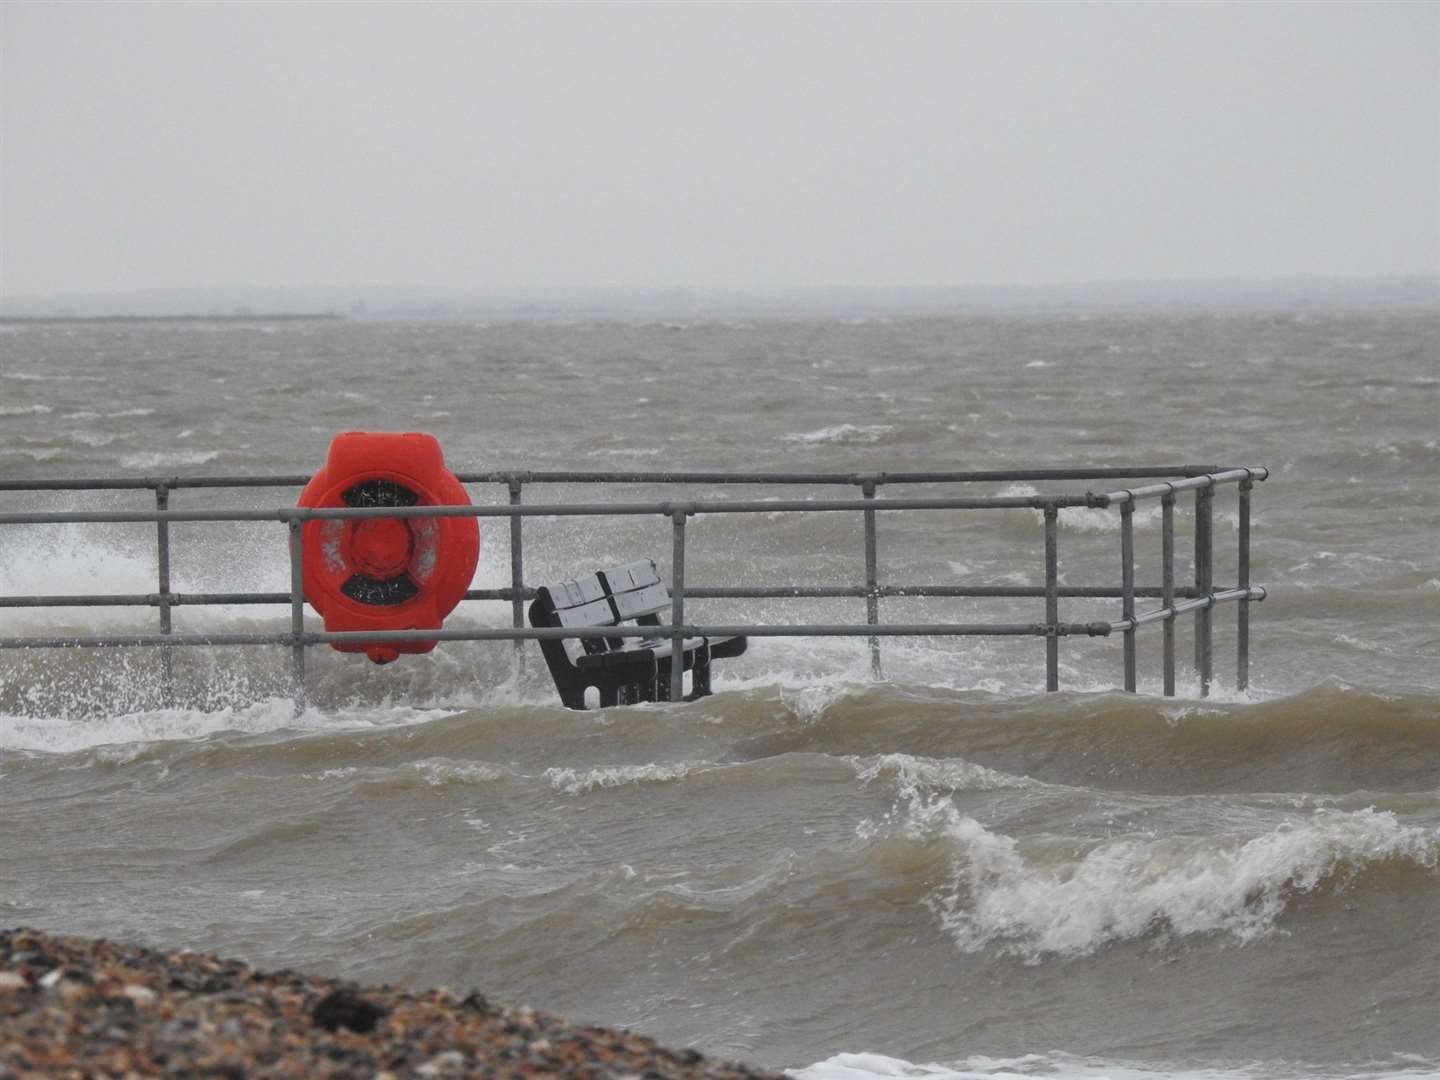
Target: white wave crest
<point>162,459</point>
<point>31,376</point>
<point>580,781</point>
<point>25,410</point>
<point>92,438</point>
<point>842,434</point>
<point>1054,903</point>
<point>915,774</point>
<point>440,772</point>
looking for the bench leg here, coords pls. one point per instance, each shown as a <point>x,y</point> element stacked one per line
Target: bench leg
<point>700,674</point>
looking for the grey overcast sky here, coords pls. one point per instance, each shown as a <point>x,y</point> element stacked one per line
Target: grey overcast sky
<point>713,145</point>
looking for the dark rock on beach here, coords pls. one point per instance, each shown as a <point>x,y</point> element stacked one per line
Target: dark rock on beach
<point>71,1007</point>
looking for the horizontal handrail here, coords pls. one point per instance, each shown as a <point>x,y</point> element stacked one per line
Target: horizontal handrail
<point>666,508</point>
<point>143,483</point>
<point>1209,480</point>
<point>1199,603</point>
<point>769,592</point>
<point>379,637</point>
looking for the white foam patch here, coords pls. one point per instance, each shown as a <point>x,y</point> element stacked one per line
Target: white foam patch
<point>1049,901</point>
<point>60,736</point>
<point>24,410</point>
<point>1058,1066</point>
<point>69,560</point>
<point>1093,519</point>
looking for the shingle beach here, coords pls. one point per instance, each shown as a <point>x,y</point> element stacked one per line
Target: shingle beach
<point>72,1007</point>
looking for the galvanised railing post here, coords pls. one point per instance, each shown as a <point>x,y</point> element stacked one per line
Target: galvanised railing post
<point>297,614</point>
<point>162,538</point>
<point>677,604</point>
<point>872,584</point>
<point>1052,598</point>
<point>1127,586</point>
<point>1242,614</point>
<point>1204,583</point>
<point>517,574</point>
<point>1167,587</point>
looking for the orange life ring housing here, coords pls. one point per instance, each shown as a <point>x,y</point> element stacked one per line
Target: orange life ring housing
<point>387,573</point>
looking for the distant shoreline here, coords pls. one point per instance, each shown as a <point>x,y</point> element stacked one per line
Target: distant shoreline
<point>31,320</point>
<point>363,303</point>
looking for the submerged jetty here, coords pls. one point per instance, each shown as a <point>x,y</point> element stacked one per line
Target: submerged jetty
<point>73,1007</point>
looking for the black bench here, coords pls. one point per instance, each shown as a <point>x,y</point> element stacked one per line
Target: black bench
<point>624,670</point>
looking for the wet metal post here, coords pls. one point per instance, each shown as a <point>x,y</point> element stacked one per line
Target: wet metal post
<point>297,614</point>
<point>1204,584</point>
<point>162,535</point>
<point>517,575</point>
<point>1242,611</point>
<point>1127,586</point>
<point>1167,587</point>
<point>1052,597</point>
<point>677,605</point>
<point>872,585</point>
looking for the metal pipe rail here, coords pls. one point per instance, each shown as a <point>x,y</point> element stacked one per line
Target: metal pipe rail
<point>1199,603</point>
<point>1198,598</point>
<point>150,483</point>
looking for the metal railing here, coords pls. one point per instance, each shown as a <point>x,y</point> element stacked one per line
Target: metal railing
<point>1199,598</point>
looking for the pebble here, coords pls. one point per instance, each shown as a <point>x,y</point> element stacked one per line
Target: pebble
<point>119,1010</point>
<point>141,995</point>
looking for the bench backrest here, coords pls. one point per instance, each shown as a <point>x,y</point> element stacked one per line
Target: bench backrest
<point>629,593</point>
<point>636,592</point>
<point>575,603</point>
<point>578,602</point>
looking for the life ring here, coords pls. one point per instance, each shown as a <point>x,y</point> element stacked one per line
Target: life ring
<point>387,573</point>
